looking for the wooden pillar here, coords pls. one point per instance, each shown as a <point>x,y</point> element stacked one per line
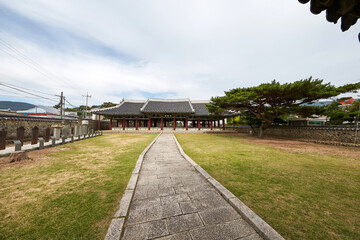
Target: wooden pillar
<point>223,123</point>
<point>162,123</point>
<point>137,124</point>
<point>198,122</point>
<point>117,123</point>
<point>123,124</point>
<point>186,124</point>
<point>174,123</point>
<point>110,123</point>
<point>211,125</point>
<point>218,123</point>
<point>149,124</point>
<point>99,123</point>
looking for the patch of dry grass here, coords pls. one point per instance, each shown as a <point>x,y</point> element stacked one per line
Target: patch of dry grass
<point>70,191</point>
<point>303,190</point>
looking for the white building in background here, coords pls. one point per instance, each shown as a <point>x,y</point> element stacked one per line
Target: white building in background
<point>46,112</point>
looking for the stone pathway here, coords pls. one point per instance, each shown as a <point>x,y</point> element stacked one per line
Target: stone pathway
<point>172,201</point>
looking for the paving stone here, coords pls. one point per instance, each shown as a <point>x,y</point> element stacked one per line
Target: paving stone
<point>145,203</point>
<point>170,210</point>
<point>115,229</point>
<point>136,232</point>
<point>232,230</point>
<point>184,222</point>
<point>174,198</point>
<point>219,215</point>
<point>166,191</point>
<point>172,201</point>
<point>178,236</point>
<point>140,194</point>
<point>199,195</point>
<point>137,216</point>
<point>254,236</point>
<point>157,229</point>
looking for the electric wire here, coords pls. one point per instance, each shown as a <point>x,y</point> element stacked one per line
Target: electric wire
<point>31,63</point>
<point>15,88</point>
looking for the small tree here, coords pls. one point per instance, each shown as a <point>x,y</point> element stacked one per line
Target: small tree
<point>269,100</point>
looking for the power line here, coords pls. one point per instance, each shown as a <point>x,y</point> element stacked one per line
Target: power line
<point>20,90</point>
<point>69,103</point>
<point>23,58</point>
<point>28,88</point>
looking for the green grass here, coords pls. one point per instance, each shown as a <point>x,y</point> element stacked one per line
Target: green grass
<point>69,194</point>
<point>302,196</point>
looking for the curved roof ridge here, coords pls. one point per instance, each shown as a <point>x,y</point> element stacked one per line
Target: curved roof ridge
<point>108,108</point>
<point>168,100</point>
<point>132,100</point>
<point>200,101</point>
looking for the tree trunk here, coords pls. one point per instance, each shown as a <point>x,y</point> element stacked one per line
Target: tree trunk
<point>261,131</point>
<point>253,130</point>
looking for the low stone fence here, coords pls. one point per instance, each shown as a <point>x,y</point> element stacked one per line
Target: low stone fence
<point>336,134</point>
<point>24,128</point>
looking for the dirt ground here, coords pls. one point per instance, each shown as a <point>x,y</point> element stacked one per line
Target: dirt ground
<point>35,156</point>
<point>303,147</point>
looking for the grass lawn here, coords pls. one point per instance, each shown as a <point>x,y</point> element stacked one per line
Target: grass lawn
<point>302,194</point>
<point>70,191</point>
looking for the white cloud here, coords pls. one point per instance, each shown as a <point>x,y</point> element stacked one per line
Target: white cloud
<point>193,49</point>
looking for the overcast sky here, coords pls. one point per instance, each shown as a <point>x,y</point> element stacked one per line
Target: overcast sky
<point>167,49</point>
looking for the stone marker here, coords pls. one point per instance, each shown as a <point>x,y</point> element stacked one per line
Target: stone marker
<point>18,145</point>
<point>63,138</point>
<point>34,135</point>
<point>65,131</point>
<point>76,131</point>
<point>20,133</point>
<point>41,143</point>
<point>47,134</point>
<point>57,131</point>
<point>53,139</point>
<point>3,139</point>
<point>18,156</point>
<point>72,138</point>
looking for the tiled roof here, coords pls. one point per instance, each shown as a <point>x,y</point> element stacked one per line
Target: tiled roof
<point>200,108</point>
<point>133,107</point>
<point>167,106</point>
<point>126,107</point>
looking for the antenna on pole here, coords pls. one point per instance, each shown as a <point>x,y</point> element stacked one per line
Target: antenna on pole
<point>87,97</point>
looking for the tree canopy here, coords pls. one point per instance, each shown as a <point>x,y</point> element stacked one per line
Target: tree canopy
<point>342,113</point>
<point>269,100</point>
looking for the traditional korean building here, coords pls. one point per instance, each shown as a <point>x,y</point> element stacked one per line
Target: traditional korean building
<point>157,114</point>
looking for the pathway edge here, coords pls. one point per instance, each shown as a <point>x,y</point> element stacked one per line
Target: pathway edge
<point>117,223</point>
<point>263,228</point>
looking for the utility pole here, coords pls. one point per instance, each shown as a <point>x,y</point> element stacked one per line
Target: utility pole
<point>61,105</point>
<point>87,97</point>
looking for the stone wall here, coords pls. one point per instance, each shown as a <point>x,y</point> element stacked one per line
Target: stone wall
<point>326,133</point>
<point>11,124</point>
<point>104,125</point>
